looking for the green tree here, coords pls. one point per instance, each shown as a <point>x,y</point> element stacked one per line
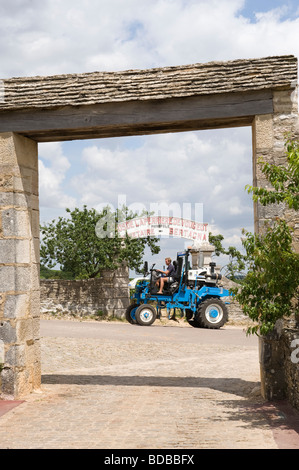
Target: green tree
<point>284,180</point>
<point>270,289</point>
<point>236,260</point>
<point>74,244</point>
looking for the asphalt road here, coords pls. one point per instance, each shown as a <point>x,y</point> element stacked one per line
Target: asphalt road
<point>171,332</point>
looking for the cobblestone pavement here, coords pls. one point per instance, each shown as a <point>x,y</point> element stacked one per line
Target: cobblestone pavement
<point>131,394</point>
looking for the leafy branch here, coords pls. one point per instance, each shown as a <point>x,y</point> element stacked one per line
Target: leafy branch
<point>270,289</point>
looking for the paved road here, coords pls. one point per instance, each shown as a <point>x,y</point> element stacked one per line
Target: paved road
<point>121,386</point>
<point>170,332</point>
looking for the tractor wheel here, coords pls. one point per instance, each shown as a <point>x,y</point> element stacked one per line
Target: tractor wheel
<point>130,314</point>
<point>191,320</point>
<point>145,314</point>
<point>212,313</point>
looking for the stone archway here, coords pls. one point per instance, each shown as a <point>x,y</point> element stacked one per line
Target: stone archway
<point>261,93</point>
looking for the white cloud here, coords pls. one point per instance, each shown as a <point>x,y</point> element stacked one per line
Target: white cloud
<point>73,36</point>
<point>53,166</point>
<point>195,167</point>
<point>53,37</point>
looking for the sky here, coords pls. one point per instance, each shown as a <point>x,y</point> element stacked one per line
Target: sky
<point>208,168</point>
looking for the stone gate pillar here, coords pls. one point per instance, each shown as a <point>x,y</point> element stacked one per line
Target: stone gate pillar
<point>19,267</point>
<point>269,136</point>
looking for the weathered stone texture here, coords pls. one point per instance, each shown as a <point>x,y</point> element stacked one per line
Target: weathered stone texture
<point>159,83</point>
<point>290,352</point>
<point>19,269</point>
<point>279,360</point>
<point>108,295</point>
<point>269,136</point>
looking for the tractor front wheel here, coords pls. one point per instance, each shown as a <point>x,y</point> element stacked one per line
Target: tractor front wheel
<point>212,313</point>
<point>145,314</point>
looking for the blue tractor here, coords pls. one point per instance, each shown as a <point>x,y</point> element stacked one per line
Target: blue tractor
<point>194,291</point>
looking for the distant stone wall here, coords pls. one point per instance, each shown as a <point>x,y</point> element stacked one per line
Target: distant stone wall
<point>107,295</point>
<point>235,312</point>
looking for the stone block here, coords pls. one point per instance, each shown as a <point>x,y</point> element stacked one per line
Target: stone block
<point>263,131</point>
<point>35,250</point>
<point>35,274</point>
<point>23,382</point>
<point>7,150</point>
<point>33,202</point>
<point>8,381</point>
<point>26,151</point>
<point>14,279</point>
<point>16,306</point>
<point>6,182</point>
<point>14,251</point>
<point>18,150</point>
<point>25,180</point>
<point>21,184</point>
<point>10,199</point>
<point>30,353</point>
<point>34,183</point>
<point>8,332</point>
<point>34,223</point>
<point>35,304</point>
<point>15,223</point>
<point>285,101</point>
<point>36,375</point>
<point>29,181</point>
<point>15,356</point>
<point>24,330</point>
<point>36,328</point>
<point>284,124</point>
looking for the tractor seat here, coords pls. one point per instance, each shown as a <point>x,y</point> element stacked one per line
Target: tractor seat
<point>173,278</point>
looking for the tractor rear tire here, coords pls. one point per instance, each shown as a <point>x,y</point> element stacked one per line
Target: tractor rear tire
<point>212,313</point>
<point>130,314</point>
<point>145,315</point>
<point>191,320</point>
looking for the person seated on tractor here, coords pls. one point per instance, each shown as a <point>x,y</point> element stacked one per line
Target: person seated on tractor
<point>166,275</point>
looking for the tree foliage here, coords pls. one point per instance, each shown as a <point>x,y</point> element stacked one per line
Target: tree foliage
<point>270,289</point>
<point>236,260</point>
<point>284,180</point>
<point>73,243</point>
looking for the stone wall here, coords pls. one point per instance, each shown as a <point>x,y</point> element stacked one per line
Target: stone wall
<point>279,360</point>
<point>269,132</point>
<point>235,312</point>
<point>290,353</point>
<point>107,295</point>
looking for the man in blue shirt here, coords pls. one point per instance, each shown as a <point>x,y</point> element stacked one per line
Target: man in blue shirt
<point>166,275</point>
